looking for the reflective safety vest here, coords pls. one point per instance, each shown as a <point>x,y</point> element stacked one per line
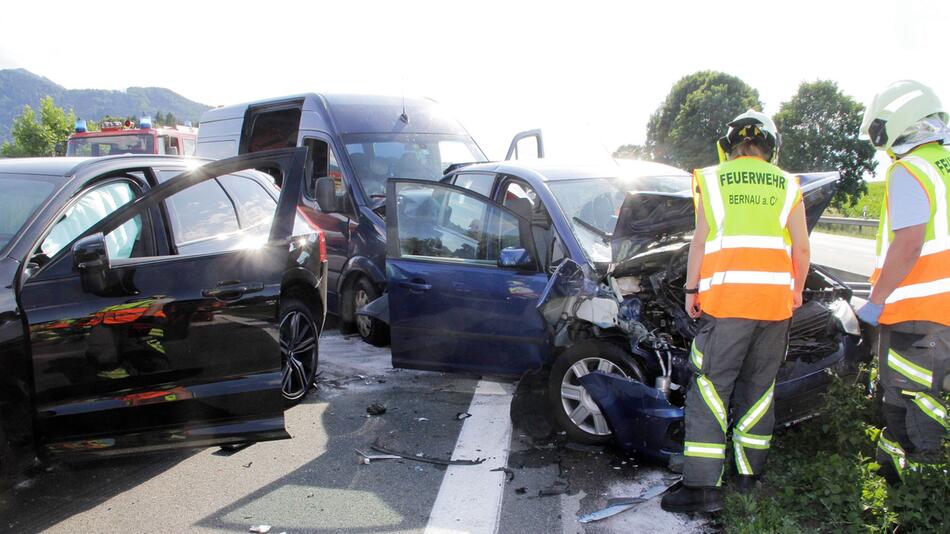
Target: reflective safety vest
<point>924,294</point>
<point>747,268</point>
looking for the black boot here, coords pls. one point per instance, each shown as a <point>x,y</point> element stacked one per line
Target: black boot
<point>687,499</point>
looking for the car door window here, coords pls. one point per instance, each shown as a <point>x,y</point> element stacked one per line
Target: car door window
<point>90,208</point>
<point>255,206</point>
<point>438,222</point>
<point>479,182</point>
<point>203,219</point>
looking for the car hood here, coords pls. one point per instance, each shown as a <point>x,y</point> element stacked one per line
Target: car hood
<point>650,220</point>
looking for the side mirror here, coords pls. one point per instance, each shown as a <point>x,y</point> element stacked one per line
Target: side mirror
<point>91,259</point>
<point>514,258</point>
<point>326,194</point>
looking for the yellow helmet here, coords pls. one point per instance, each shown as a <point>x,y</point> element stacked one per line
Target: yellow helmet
<point>895,109</point>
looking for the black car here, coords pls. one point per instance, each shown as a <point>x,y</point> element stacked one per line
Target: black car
<point>147,301</point>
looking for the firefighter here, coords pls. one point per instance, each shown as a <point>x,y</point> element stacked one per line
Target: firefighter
<point>910,295</point>
<point>747,266</point>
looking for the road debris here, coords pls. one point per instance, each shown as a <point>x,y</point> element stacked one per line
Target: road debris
<point>247,465</point>
<point>366,458</point>
<point>260,529</point>
<point>622,504</point>
<point>420,457</point>
<point>558,488</point>
<point>377,408</point>
<point>521,491</point>
<point>462,415</point>
<point>422,419</point>
<point>509,474</point>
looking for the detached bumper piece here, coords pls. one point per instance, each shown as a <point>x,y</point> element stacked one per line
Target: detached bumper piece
<point>642,419</point>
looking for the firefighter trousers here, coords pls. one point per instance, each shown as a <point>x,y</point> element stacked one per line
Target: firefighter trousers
<point>735,361</point>
<point>914,358</point>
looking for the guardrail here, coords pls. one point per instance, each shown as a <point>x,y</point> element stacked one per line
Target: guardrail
<point>848,221</point>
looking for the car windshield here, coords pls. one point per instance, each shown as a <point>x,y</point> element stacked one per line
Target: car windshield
<point>377,157</point>
<point>591,206</point>
<point>110,144</point>
<point>22,195</point>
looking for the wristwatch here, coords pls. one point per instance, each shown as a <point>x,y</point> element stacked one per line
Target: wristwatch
<point>690,291</point>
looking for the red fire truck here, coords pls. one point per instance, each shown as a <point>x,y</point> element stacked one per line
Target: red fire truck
<point>126,137</point>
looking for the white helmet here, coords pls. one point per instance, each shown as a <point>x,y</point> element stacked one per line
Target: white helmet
<point>753,125</point>
<point>895,109</point>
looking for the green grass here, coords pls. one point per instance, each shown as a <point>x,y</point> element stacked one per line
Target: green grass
<point>822,477</point>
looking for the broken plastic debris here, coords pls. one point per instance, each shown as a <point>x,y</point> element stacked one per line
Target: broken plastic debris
<point>420,419</point>
<point>622,504</point>
<point>462,415</point>
<point>420,457</point>
<point>509,474</point>
<point>366,458</point>
<point>377,408</point>
<point>261,529</point>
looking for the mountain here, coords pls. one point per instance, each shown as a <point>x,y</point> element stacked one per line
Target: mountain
<point>19,87</point>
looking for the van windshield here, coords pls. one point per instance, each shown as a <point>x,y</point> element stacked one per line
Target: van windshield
<point>377,157</point>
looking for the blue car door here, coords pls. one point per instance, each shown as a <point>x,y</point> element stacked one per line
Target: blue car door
<point>452,306</point>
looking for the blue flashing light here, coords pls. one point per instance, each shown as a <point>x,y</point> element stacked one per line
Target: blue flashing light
<point>80,126</point>
<point>145,122</point>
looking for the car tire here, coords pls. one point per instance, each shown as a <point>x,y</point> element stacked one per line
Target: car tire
<point>299,349</point>
<point>574,411</point>
<point>371,330</point>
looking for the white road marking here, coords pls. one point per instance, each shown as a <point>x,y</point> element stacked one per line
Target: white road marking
<point>470,497</point>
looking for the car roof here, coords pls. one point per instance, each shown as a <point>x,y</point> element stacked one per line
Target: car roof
<point>69,167</point>
<point>552,170</point>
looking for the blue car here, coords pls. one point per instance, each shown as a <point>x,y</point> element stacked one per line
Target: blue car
<point>577,272</point>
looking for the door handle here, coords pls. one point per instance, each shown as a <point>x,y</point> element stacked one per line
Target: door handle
<point>416,285</point>
<point>232,290</point>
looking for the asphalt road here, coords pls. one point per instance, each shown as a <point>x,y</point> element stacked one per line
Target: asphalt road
<point>314,483</point>
<point>849,254</point>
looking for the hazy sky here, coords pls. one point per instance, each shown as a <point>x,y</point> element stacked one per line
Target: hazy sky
<point>596,68</point>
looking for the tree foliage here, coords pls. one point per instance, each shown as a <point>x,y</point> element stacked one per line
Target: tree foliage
<point>632,152</point>
<point>46,137</point>
<point>819,128</point>
<point>683,130</point>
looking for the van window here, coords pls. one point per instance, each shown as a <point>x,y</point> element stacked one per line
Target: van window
<point>273,129</point>
<point>324,163</point>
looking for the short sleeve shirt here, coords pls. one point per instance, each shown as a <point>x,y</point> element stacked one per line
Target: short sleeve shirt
<point>908,203</point>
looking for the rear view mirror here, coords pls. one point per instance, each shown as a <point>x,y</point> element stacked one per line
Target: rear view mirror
<point>326,194</point>
<point>515,258</point>
<point>91,259</point>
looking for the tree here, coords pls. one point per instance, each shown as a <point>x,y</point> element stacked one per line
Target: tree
<point>170,119</point>
<point>819,128</point>
<point>632,152</point>
<point>684,129</point>
<point>159,119</point>
<point>44,138</point>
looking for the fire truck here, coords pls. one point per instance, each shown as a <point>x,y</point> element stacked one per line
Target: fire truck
<point>127,137</point>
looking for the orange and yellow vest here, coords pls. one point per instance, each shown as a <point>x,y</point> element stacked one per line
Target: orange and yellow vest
<point>747,267</point>
<point>924,294</point>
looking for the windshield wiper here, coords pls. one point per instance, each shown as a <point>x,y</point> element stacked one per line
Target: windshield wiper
<point>603,235</point>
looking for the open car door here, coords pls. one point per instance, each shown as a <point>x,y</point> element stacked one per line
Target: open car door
<point>520,147</point>
<point>135,352</point>
<point>463,282</point>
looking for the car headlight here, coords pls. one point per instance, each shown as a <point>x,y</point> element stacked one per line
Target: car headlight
<point>846,317</point>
